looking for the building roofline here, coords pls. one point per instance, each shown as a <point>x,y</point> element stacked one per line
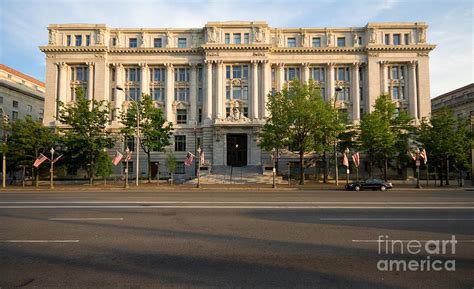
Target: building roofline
<point>453,91</point>
<point>21,74</point>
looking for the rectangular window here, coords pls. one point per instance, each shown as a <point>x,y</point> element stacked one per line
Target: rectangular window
<point>180,168</point>
<point>112,72</point>
<point>246,111</point>
<point>69,40</point>
<point>180,143</point>
<point>114,41</point>
<point>341,41</point>
<point>245,92</point>
<point>88,40</point>
<point>199,95</point>
<point>112,114</point>
<point>181,74</point>
<point>1,99</point>
<point>316,41</point>
<point>360,40</point>
<point>236,92</point>
<point>291,42</point>
<point>78,40</point>
<point>227,111</point>
<point>132,74</point>
<point>292,73</point>
<point>181,94</point>
<point>132,43</point>
<point>15,104</point>
<point>181,116</point>
<point>318,74</point>
<point>237,39</point>
<point>157,93</point>
<point>246,38</point>
<point>182,43</point>
<point>130,144</point>
<point>395,92</point>
<point>361,93</point>
<point>133,93</point>
<point>200,115</point>
<point>157,74</point>
<point>14,115</point>
<point>396,39</point>
<point>29,108</point>
<point>157,42</point>
<point>227,92</point>
<point>387,39</point>
<point>200,74</point>
<point>236,71</point>
<point>227,38</point>
<point>227,72</point>
<point>245,69</point>
<point>395,74</point>
<point>407,38</point>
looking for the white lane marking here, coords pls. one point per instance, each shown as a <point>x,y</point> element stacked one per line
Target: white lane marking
<point>39,241</point>
<point>235,202</point>
<point>231,207</point>
<point>85,219</point>
<point>422,241</point>
<point>396,219</point>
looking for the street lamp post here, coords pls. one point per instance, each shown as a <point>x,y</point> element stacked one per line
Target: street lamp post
<point>5,140</point>
<point>199,167</point>
<point>274,156</point>
<point>417,162</point>
<point>338,89</point>
<point>196,168</point>
<point>346,151</point>
<point>51,181</point>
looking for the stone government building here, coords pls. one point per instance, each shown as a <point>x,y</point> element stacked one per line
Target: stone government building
<point>217,78</point>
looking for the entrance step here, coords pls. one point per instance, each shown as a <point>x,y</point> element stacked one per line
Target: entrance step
<point>237,175</point>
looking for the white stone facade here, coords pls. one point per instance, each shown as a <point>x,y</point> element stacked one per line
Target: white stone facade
<point>20,95</point>
<point>219,76</point>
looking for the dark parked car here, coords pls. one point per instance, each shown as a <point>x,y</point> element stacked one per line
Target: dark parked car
<point>371,184</point>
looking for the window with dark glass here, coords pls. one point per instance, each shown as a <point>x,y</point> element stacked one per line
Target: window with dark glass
<point>341,41</point>
<point>182,43</point>
<point>15,104</point>
<point>68,40</point>
<point>114,41</point>
<point>396,39</point>
<point>180,168</point>
<point>180,143</point>
<point>291,42</point>
<point>88,40</point>
<point>316,41</point>
<point>157,42</point>
<point>407,38</point>
<point>181,116</point>
<point>246,38</point>
<point>78,40</point>
<point>132,43</point>
<point>387,39</point>
<point>227,38</point>
<point>237,39</point>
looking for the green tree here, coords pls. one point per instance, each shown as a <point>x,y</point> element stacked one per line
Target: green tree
<point>446,138</point>
<point>384,134</point>
<point>295,115</point>
<point>171,165</point>
<point>27,140</point>
<point>104,166</point>
<point>155,131</point>
<point>85,132</point>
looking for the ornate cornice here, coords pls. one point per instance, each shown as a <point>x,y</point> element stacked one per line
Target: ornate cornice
<point>236,46</point>
<point>418,47</point>
<point>316,49</point>
<point>154,50</point>
<point>73,48</point>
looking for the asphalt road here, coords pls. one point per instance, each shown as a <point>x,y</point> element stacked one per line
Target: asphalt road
<point>234,239</point>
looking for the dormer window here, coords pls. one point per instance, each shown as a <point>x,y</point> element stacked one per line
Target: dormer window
<point>237,39</point>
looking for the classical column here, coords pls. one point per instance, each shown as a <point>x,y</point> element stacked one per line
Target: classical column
<point>254,89</point>
<point>208,99</point>
<point>90,81</point>
<point>63,83</point>
<point>169,92</point>
<point>330,93</point>
<point>385,79</point>
<point>144,88</point>
<point>281,76</point>
<point>305,72</point>
<point>355,93</point>
<point>267,85</point>
<point>412,91</point>
<point>192,94</point>
<point>219,96</point>
<point>119,95</point>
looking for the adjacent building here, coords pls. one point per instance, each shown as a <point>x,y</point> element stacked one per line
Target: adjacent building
<point>20,95</point>
<point>461,102</point>
<point>213,82</point>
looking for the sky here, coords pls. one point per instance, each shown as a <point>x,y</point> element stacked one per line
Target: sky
<point>23,24</point>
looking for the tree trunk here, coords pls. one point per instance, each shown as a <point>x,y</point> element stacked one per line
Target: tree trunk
<point>301,167</point>
<point>447,170</point>
<point>370,166</point>
<point>91,174</point>
<point>441,177</point>
<point>326,168</point>
<point>385,168</point>
<point>149,166</point>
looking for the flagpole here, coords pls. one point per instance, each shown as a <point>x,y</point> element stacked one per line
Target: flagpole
<point>199,168</point>
<point>126,173</point>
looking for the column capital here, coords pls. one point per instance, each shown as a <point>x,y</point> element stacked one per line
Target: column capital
<point>331,64</point>
<point>383,62</point>
<point>305,64</point>
<point>61,64</point>
<point>356,64</point>
<point>412,64</point>
<point>90,64</point>
<point>143,65</point>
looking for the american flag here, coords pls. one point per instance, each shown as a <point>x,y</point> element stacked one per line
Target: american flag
<point>355,158</point>
<point>345,161</point>
<point>189,159</point>
<point>202,158</point>
<point>57,159</point>
<point>424,156</point>
<point>129,155</point>
<point>413,156</point>
<point>117,158</point>
<point>40,160</point>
